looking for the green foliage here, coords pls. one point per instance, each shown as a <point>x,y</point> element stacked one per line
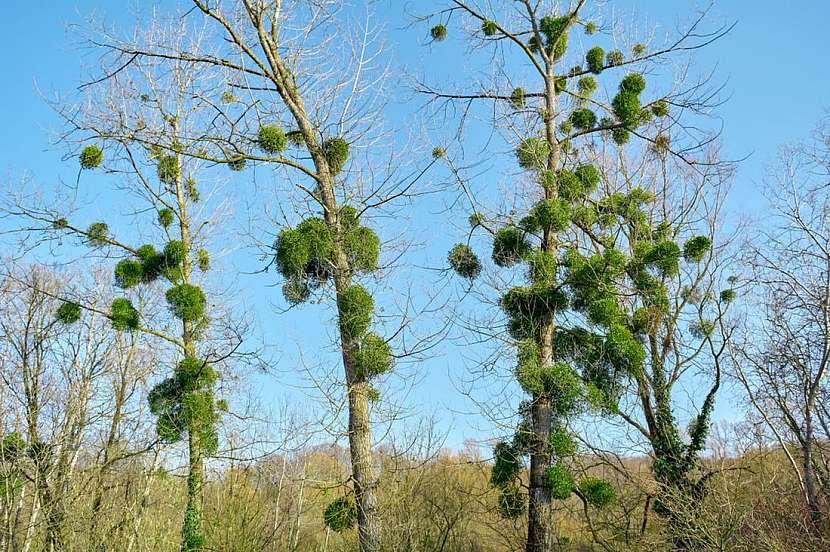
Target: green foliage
<point>511,502</point>
<point>91,157</point>
<point>296,290</point>
<point>305,251</point>
<point>561,443</point>
<point>555,31</point>
<point>623,350</point>
<point>271,139</point>
<point>590,28</point>
<point>373,357</point>
<point>638,50</point>
<point>187,302</point>
<point>68,312</point>
<point>295,137</point>
<point>665,257</point>
<point>560,481</point>
<point>438,153</point>
<point>356,307</point>
<point>506,466</point>
<point>128,273</point>
<point>517,98</point>
<point>193,374</point>
<point>124,316</point>
<point>168,170</point>
<point>192,538</point>
<point>509,246</point>
<point>476,219</point>
<point>464,261</point>
<point>336,151</point>
<point>552,214</point>
<point>97,234</point>
<point>438,32</point>
<point>660,108</point>
<point>362,247</point>
<point>165,217</point>
<point>527,307</point>
<point>542,267</point>
<point>588,176</point>
<point>615,57</point>
<point>489,28</point>
<point>695,248</point>
<point>728,295</point>
<point>533,153</point>
<point>597,492</point>
<point>633,83</point>
<point>627,108</point>
<point>595,59</point>
<point>583,119</point>
<point>586,86</point>
<point>340,514</point>
<point>621,136</point>
<point>203,260</point>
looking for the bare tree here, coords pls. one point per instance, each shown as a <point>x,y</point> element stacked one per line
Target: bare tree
<point>782,363</point>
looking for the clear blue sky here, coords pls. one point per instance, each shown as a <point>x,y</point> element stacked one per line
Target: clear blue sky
<point>773,64</point>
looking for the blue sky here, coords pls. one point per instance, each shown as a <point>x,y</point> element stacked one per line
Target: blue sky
<point>772,65</point>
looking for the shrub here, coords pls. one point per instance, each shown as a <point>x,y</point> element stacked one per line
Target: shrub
<point>336,151</point>
<point>583,119</point>
<point>560,482</point>
<point>660,108</point>
<point>489,28</point>
<point>123,315</point>
<point>561,443</point>
<point>356,308</point>
<point>634,83</point>
<point>509,246</point>
<point>595,59</point>
<point>555,30</point>
<point>506,466</point>
<point>464,261</point>
<point>695,248</point>
<point>615,57</point>
<point>128,273</point>
<point>271,139</point>
<point>91,157</point>
<point>373,357</point>
<point>68,312</point>
<point>165,217</point>
<point>532,153</point>
<point>296,290</point>
<point>97,234</point>
<point>438,32</point>
<point>203,260</point>
<point>340,514</point>
<point>362,247</point>
<point>596,492</point>
<point>586,86</point>
<point>627,108</point>
<point>237,164</point>
<point>168,169</point>
<point>187,302</point>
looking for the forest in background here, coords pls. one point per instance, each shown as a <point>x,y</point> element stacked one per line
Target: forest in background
<point>607,300</point>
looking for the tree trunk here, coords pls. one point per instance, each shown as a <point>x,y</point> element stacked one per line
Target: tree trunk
<point>539,508</point>
<point>192,535</point>
<point>360,445</point>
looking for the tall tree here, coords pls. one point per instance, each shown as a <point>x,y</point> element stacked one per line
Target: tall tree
<point>564,360</point>
<point>135,125</point>
<point>783,363</point>
<point>306,97</point>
